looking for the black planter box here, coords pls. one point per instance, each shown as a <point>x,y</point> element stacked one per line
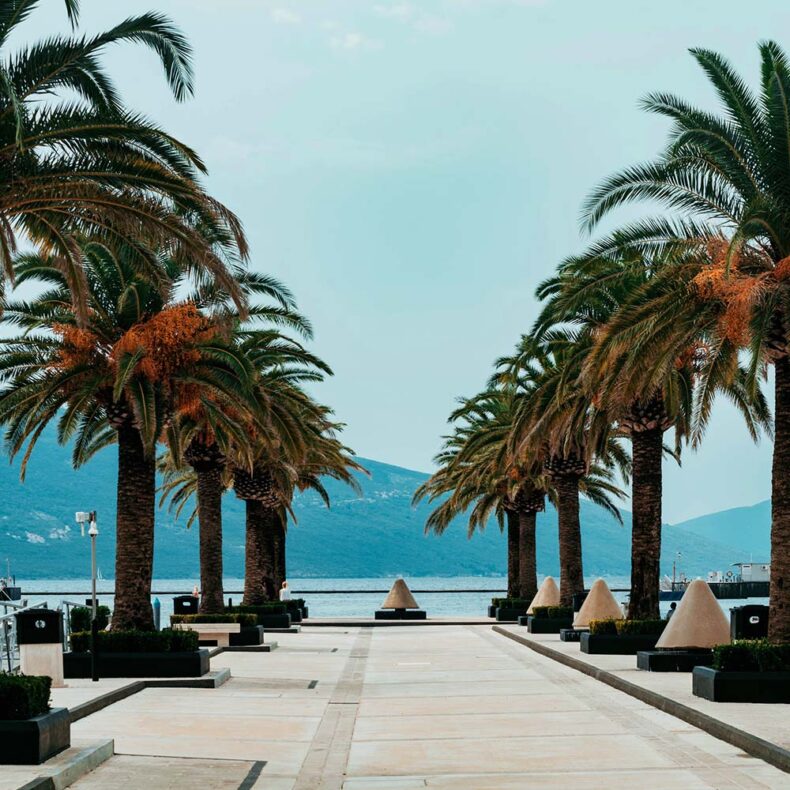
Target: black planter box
<point>506,614</point>
<point>545,625</point>
<point>305,612</point>
<point>274,620</point>
<point>673,660</point>
<point>400,614</point>
<point>718,686</point>
<point>296,614</point>
<point>571,635</point>
<point>249,635</point>
<point>492,610</point>
<point>33,741</point>
<point>615,645</point>
<point>138,665</point>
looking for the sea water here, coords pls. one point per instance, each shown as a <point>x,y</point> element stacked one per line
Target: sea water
<point>330,597</point>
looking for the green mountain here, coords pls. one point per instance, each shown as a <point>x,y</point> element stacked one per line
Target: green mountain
<point>377,534</point>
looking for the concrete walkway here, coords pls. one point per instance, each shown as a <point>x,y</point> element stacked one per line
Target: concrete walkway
<point>399,708</point>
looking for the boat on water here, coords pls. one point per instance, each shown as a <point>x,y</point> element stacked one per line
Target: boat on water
<point>748,580</point>
<point>8,587</point>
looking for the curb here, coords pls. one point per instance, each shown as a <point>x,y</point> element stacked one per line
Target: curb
<point>751,744</point>
<point>83,762</point>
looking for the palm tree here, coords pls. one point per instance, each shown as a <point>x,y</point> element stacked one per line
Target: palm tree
<point>76,163</point>
<point>113,379</point>
<point>557,422</point>
<point>726,179</point>
<point>645,397</point>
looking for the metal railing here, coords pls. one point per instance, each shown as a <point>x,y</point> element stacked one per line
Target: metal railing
<point>9,649</point>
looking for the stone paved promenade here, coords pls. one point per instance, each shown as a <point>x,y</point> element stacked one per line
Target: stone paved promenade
<point>407,707</point>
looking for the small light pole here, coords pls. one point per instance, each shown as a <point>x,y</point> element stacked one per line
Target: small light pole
<point>93,532</point>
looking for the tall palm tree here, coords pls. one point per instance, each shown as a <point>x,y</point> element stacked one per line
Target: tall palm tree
<point>76,163</point>
<point>645,396</point>
<point>113,379</point>
<point>725,177</point>
<point>557,422</point>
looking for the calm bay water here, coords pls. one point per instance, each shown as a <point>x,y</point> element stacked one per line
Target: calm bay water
<point>437,602</point>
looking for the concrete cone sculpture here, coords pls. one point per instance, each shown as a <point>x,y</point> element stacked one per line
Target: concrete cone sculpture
<point>600,604</point>
<point>399,597</point>
<point>698,622</point>
<point>547,595</point>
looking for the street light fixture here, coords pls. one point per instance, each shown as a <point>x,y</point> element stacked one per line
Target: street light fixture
<point>82,519</point>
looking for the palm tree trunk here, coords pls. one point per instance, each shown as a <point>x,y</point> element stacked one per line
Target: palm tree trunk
<point>647,449</point>
<point>527,562</point>
<point>779,613</point>
<point>570,537</point>
<point>259,584</point>
<point>209,505</point>
<point>279,553</point>
<point>134,533</point>
<point>512,553</point>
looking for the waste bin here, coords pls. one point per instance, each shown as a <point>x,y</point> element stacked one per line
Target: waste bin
<point>578,600</point>
<point>185,604</point>
<point>749,622</point>
<point>39,633</point>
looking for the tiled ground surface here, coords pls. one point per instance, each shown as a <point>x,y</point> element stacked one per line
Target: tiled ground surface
<point>401,708</point>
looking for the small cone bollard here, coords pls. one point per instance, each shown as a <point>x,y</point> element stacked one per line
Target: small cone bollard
<point>400,604</point>
<point>600,604</point>
<point>547,595</point>
<point>698,622</point>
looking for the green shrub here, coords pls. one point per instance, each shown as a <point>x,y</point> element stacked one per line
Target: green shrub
<point>772,657</point>
<point>244,620</point>
<point>553,612</point>
<point>514,603</point>
<point>261,609</point>
<point>603,627</point>
<point>165,641</point>
<point>737,657</point>
<point>80,618</point>
<point>640,627</point>
<point>23,696</point>
<point>295,603</point>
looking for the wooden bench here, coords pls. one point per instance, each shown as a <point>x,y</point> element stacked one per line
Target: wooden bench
<point>217,632</point>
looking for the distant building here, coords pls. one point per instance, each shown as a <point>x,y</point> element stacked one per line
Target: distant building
<point>754,571</point>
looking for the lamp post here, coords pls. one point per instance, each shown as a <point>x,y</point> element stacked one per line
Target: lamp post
<point>93,532</point>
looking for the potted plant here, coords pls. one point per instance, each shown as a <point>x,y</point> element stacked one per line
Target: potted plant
<point>748,671</point>
<point>548,619</point>
<point>137,654</point>
<point>80,618</point>
<point>621,637</point>
<point>510,609</point>
<point>250,633</point>
<point>271,616</point>
<point>30,731</point>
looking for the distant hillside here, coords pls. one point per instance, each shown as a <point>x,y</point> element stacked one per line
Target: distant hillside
<point>377,534</point>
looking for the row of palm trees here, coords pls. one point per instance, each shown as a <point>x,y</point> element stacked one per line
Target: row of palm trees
<point>143,326</point>
<point>638,335</point>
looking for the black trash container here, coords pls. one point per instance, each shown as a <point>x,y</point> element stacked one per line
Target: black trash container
<point>185,604</point>
<point>749,622</point>
<point>39,627</point>
<point>578,600</point>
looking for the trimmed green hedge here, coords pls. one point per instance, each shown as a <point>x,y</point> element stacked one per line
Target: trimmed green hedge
<point>511,603</point>
<point>264,608</point>
<point>294,603</point>
<point>164,641</point>
<point>757,655</point>
<point>627,627</point>
<point>640,627</point>
<point>244,620</point>
<point>23,696</point>
<point>80,618</point>
<point>603,627</point>
<point>553,612</point>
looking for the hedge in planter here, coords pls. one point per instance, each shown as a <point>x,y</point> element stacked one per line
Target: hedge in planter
<point>250,633</point>
<point>548,619</point>
<point>269,615</point>
<point>80,618</point>
<point>510,609</point>
<point>748,671</point>
<point>621,637</point>
<point>138,654</point>
<point>30,732</point>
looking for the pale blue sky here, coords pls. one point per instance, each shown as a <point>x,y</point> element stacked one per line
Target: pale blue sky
<point>413,170</point>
